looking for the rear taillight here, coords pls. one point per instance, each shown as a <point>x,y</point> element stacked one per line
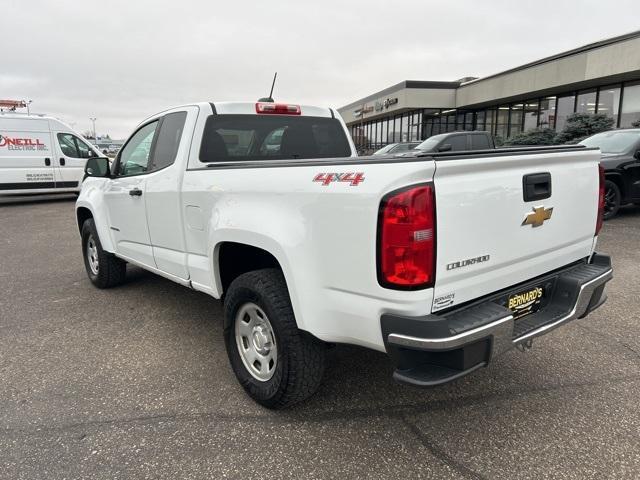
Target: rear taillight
<point>601,192</point>
<point>278,108</point>
<point>407,238</point>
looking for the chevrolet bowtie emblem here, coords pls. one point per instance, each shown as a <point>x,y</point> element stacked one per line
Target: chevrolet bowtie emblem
<point>538,216</point>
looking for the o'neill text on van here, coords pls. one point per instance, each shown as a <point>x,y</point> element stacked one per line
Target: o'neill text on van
<point>22,143</point>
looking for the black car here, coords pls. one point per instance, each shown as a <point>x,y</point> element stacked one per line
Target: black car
<point>621,161</point>
<point>458,141</point>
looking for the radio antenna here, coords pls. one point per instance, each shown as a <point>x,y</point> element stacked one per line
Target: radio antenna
<point>270,97</point>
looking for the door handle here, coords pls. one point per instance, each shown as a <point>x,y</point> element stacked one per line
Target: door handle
<point>47,162</point>
<point>62,162</point>
<point>136,192</point>
<point>536,186</point>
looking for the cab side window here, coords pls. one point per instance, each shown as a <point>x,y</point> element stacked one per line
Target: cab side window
<point>71,146</point>
<point>168,141</point>
<point>458,142</point>
<point>134,156</point>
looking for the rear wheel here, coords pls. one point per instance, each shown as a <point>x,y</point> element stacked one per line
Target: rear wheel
<point>276,363</point>
<point>104,269</point>
<point>612,199</point>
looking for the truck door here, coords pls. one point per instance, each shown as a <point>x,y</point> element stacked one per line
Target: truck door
<point>70,159</point>
<point>162,196</point>
<point>25,156</point>
<point>125,197</point>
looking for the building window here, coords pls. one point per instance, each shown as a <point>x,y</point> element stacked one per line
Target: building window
<point>563,110</point>
<point>480,120</point>
<point>515,122</point>
<point>468,121</point>
<point>490,121</point>
<point>609,102</point>
<point>630,105</point>
<point>502,122</point>
<point>531,114</point>
<point>586,102</point>
<point>547,117</point>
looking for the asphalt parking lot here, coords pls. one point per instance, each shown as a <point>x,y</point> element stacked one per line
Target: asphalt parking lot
<point>134,383</point>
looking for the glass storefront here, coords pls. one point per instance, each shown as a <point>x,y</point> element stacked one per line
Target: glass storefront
<point>503,120</point>
<point>586,102</point>
<point>502,123</point>
<point>609,102</point>
<point>515,119</point>
<point>531,114</point>
<point>547,118</point>
<point>564,108</point>
<point>630,105</point>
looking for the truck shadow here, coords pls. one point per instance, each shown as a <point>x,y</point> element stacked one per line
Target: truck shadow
<point>357,380</point>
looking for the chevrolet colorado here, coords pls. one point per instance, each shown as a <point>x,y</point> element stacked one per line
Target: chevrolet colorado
<point>441,260</point>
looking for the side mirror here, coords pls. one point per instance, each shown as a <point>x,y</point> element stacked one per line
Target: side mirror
<point>445,147</point>
<point>637,155</point>
<point>97,167</point>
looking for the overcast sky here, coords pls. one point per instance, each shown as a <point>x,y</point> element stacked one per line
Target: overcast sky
<point>121,61</point>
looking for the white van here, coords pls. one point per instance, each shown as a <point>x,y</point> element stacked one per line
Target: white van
<point>40,154</point>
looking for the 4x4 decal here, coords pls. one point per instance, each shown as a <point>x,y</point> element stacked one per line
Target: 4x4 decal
<point>354,179</point>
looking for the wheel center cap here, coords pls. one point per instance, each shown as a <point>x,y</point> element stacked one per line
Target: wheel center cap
<point>261,341</point>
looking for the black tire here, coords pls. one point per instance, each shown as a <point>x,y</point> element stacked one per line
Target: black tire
<point>111,271</point>
<point>300,356</point>
<point>612,199</point>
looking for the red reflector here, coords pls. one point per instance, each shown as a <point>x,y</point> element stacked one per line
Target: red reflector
<point>407,238</point>
<point>601,194</point>
<point>278,108</point>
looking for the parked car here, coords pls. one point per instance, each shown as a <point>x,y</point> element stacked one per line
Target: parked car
<point>458,142</point>
<point>621,161</point>
<point>40,154</point>
<point>396,148</point>
<point>443,262</point>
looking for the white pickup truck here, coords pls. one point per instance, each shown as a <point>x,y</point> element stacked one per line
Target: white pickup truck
<point>441,260</point>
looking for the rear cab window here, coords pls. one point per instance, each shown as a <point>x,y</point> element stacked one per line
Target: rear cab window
<point>480,142</point>
<point>458,142</point>
<point>232,138</point>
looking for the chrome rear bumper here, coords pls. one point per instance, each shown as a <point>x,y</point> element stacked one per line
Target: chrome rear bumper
<point>578,290</point>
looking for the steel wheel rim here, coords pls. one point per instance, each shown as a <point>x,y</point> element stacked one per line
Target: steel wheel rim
<point>92,255</point>
<point>256,342</point>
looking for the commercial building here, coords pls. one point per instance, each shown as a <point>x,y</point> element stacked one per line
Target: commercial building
<point>602,77</point>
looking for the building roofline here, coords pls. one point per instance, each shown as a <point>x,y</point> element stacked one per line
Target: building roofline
<point>426,84</point>
<point>418,84</point>
<point>575,51</point>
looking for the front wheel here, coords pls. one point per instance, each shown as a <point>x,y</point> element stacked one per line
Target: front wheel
<point>276,363</point>
<point>104,269</point>
<point>612,199</point>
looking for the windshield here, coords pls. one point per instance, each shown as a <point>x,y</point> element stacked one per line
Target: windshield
<point>233,138</point>
<point>384,149</point>
<point>612,142</point>
<point>404,147</point>
<point>430,143</point>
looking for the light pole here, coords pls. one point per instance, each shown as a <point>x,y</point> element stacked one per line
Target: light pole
<point>93,120</point>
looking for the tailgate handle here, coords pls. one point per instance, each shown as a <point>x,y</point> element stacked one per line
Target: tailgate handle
<point>536,186</point>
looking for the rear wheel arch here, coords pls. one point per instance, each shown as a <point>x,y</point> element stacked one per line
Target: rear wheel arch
<point>233,259</point>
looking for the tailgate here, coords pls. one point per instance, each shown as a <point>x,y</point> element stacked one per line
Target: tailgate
<point>486,240</point>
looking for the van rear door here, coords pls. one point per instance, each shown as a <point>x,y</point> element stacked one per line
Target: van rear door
<point>26,152</point>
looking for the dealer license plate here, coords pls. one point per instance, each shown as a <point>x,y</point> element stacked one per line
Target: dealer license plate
<point>525,302</point>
